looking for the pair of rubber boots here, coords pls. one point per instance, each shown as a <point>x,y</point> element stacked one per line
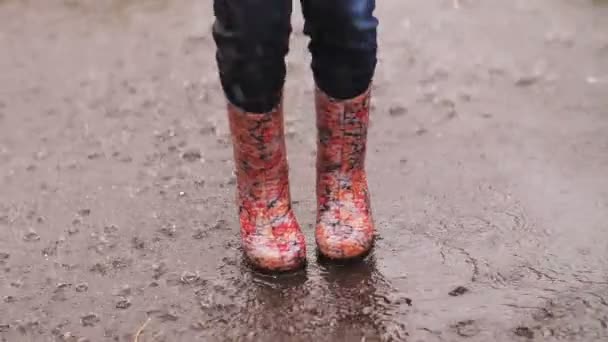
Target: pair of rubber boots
<point>271,236</point>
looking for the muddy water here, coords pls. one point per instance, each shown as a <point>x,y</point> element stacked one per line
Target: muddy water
<point>488,165</point>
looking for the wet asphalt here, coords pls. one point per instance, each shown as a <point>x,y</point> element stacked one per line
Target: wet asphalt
<point>488,168</point>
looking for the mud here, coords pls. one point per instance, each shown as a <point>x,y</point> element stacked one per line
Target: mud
<point>488,165</point>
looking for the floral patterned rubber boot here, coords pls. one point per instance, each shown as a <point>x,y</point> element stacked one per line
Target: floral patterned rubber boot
<point>271,236</point>
<point>345,228</point>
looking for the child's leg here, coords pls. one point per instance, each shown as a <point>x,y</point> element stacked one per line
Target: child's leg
<point>343,45</point>
<point>252,38</point>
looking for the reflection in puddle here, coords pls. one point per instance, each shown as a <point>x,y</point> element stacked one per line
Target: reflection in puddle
<point>327,301</point>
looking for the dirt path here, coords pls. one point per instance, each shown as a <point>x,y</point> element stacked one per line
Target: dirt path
<point>488,166</point>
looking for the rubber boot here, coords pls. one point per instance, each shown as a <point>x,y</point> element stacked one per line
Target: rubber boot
<point>345,228</point>
<point>271,236</point>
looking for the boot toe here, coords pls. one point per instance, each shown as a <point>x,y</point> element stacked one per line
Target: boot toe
<point>339,246</point>
<point>273,257</point>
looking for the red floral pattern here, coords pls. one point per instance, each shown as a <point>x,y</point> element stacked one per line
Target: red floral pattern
<point>345,228</point>
<point>271,236</point>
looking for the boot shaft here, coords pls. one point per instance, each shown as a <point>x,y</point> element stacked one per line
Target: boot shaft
<point>342,127</point>
<point>260,160</point>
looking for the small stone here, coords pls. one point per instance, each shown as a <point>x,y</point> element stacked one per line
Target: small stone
<point>50,250</point>
<point>421,131</point>
<point>82,287</point>
<point>31,236</point>
<point>220,225</point>
<point>199,234</point>
<point>159,270</point>
<point>524,332</point>
<point>62,286</point>
<point>4,256</point>
<point>198,326</point>
<point>164,315</point>
<point>68,337</point>
<point>459,291</point>
<point>120,263</point>
<point>207,130</point>
<point>123,304</point>
<point>10,299</point>
<point>84,212</point>
<point>99,268</point>
<point>528,80</point>
<point>137,243</point>
<point>191,155</point>
<point>397,110</point>
<point>89,320</point>
<point>94,155</point>
<point>169,230</point>
<point>291,133</point>
<point>110,230</point>
<point>189,278</point>
<point>466,328</point>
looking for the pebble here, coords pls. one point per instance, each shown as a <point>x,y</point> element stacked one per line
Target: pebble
<point>528,80</point>
<point>199,234</point>
<point>159,270</point>
<point>220,225</point>
<point>62,286</point>
<point>189,278</point>
<point>524,332</point>
<point>84,212</point>
<point>89,320</point>
<point>421,131</point>
<point>397,110</point>
<point>467,328</point>
<point>82,287</point>
<point>99,268</point>
<point>31,236</point>
<point>169,230</point>
<point>123,304</point>
<point>191,155</point>
<point>459,291</point>
<point>164,315</point>
<point>207,130</point>
<point>137,243</point>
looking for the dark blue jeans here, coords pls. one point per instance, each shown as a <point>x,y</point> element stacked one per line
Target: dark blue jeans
<point>252,38</point>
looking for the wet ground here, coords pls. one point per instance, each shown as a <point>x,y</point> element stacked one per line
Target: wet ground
<point>488,166</point>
